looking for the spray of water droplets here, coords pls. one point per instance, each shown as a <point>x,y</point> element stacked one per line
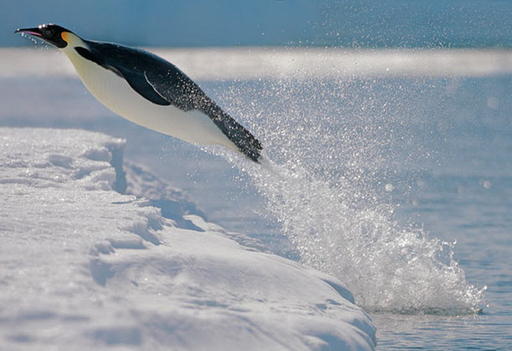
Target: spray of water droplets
<point>330,143</point>
<point>36,41</point>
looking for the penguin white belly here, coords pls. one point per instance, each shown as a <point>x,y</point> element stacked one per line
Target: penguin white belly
<point>115,93</point>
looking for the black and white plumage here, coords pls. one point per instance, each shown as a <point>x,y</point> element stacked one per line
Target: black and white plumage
<point>150,91</point>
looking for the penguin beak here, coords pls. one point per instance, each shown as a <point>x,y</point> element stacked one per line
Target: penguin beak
<point>32,31</point>
<point>50,33</point>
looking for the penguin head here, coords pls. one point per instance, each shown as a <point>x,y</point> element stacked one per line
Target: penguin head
<point>51,33</point>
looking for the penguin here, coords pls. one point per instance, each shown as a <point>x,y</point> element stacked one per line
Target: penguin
<point>150,91</point>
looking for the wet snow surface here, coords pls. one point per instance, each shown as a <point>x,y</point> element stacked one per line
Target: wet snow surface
<point>84,265</point>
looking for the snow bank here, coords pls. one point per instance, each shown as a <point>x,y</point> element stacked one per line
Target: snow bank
<point>85,266</point>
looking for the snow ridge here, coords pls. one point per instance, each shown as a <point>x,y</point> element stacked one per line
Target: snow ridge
<point>86,263</point>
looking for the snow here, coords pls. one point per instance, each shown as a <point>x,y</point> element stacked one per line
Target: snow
<point>221,64</point>
<point>87,260</point>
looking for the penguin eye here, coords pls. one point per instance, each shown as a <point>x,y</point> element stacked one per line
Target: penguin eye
<point>49,33</point>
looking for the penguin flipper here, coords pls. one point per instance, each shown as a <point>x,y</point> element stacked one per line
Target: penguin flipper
<point>143,86</point>
<point>138,80</point>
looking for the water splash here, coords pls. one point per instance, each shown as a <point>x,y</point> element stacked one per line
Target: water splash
<point>387,267</point>
<point>332,141</point>
<point>38,42</point>
<point>31,38</point>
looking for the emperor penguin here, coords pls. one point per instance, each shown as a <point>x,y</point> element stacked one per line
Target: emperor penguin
<point>150,91</point>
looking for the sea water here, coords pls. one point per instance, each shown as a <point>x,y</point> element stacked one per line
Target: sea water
<point>400,186</point>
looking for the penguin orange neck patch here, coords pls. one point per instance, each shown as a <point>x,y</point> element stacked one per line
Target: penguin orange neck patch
<point>65,36</point>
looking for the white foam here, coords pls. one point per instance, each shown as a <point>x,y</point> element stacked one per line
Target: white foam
<point>387,266</point>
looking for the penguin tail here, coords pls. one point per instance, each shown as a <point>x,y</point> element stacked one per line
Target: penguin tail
<point>246,143</point>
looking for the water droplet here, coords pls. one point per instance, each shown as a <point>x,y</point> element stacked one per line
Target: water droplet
<point>486,184</point>
<point>493,102</point>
